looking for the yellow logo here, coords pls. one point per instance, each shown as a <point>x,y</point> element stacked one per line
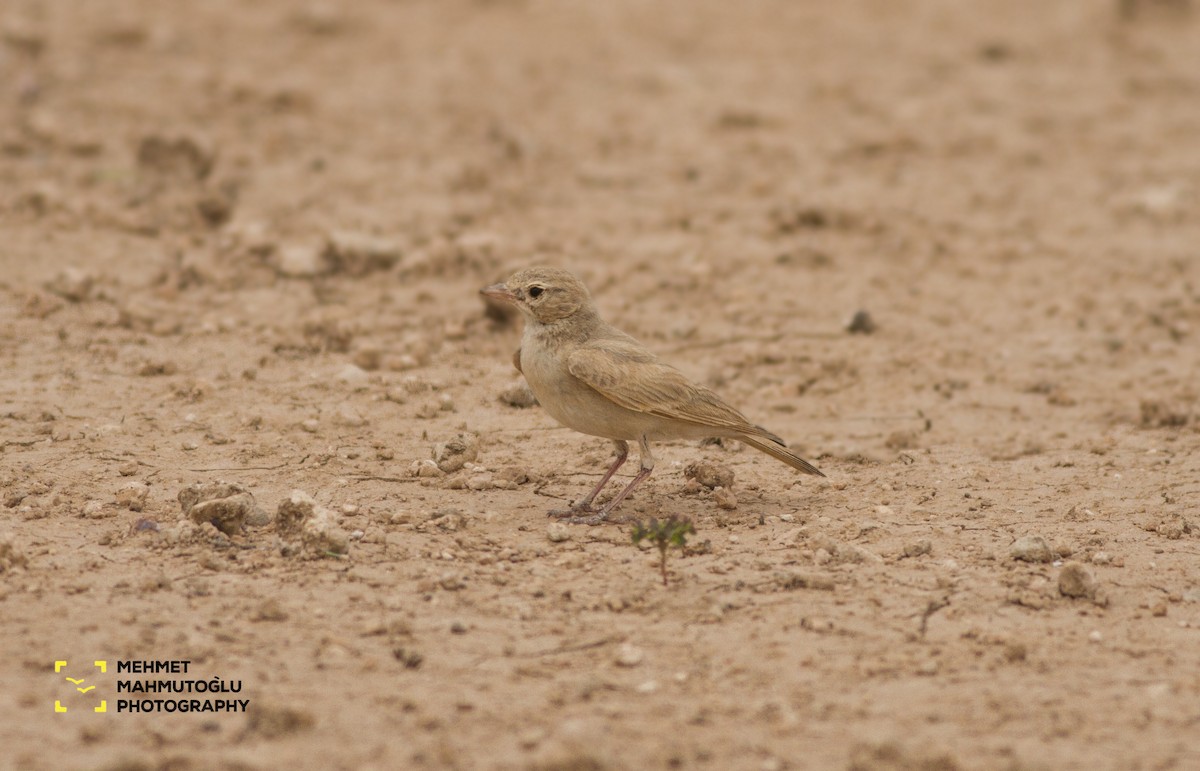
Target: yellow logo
<point>79,685</point>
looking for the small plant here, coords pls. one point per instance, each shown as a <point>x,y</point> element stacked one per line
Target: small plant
<point>672,531</point>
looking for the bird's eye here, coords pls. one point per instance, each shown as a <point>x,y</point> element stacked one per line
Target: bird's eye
<point>535,291</point>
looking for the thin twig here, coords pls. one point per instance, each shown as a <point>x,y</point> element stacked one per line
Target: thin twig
<point>238,468</point>
<point>572,648</point>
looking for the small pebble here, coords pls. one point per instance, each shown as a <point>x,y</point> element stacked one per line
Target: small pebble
<point>711,475</point>
<point>518,396</point>
<point>918,548</point>
<point>861,323</point>
<point>1075,580</point>
<point>629,655</point>
<point>453,454</point>
<point>1031,548</point>
<point>725,498</point>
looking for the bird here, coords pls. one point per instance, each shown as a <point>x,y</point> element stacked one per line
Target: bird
<point>593,378</point>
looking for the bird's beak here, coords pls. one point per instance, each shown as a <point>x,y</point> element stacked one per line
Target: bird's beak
<point>498,292</point>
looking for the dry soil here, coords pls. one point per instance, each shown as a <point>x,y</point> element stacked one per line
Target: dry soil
<point>241,242</point>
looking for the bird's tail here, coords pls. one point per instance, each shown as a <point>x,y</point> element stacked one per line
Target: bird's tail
<point>775,447</point>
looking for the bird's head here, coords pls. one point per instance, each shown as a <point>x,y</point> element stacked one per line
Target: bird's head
<point>545,295</point>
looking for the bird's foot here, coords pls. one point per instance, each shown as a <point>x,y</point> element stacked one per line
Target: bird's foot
<point>580,514</point>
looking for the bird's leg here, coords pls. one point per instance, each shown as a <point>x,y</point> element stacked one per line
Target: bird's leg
<point>585,506</point>
<point>622,454</point>
<point>647,467</point>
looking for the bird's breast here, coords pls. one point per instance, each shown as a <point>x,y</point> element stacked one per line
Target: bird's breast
<point>572,402</point>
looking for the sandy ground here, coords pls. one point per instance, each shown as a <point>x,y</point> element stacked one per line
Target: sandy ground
<point>241,242</point>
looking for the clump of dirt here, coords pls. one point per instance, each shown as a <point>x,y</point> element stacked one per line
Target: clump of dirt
<point>227,506</point>
<point>304,525</point>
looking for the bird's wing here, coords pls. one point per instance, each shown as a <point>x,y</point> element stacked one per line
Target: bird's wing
<point>629,375</point>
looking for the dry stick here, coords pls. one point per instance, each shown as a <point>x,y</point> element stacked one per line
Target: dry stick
<point>373,478</point>
<point>237,468</point>
<point>573,648</point>
<point>933,607</point>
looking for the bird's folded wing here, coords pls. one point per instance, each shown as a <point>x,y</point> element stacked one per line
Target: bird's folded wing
<point>629,375</point>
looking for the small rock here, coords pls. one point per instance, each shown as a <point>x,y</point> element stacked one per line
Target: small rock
<point>185,156</point>
<point>558,532</point>
<point>349,417</point>
<point>322,537</point>
<point>128,468</point>
<point>274,721</point>
<point>226,505</point>
<point>629,655</point>
<point>133,496</point>
<point>1173,529</point>
<point>481,482</point>
<point>1102,558</point>
<point>368,358</point>
<point>72,284</point>
<point>710,475</point>
<point>1031,548</point>
<point>358,254</point>
<point>861,323</point>
<point>1027,598</point>
<point>293,513</point>
<point>353,374</point>
<point>518,396</point>
<point>725,498</point>
<point>918,548</point>
<point>426,468</point>
<point>96,510</point>
<point>514,475</point>
<point>270,610</point>
<point>312,425</point>
<point>11,555</point>
<point>316,525</point>
<point>901,440</point>
<point>452,455</point>
<point>1075,580</point>
<point>300,261</point>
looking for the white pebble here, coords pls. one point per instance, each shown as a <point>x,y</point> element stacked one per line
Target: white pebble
<point>629,655</point>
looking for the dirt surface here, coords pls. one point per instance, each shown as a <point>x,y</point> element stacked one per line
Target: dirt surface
<point>241,243</point>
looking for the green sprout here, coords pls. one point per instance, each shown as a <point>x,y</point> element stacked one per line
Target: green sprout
<point>672,531</point>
